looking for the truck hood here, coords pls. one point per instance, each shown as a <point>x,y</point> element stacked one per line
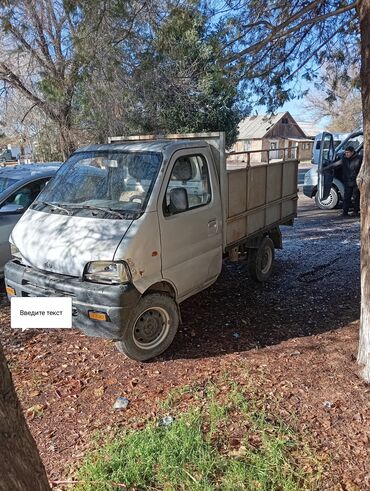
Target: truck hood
<point>64,244</point>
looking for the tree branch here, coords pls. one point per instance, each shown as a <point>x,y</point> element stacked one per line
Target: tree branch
<point>9,76</point>
<point>42,40</point>
<point>19,37</point>
<point>277,32</point>
<point>281,26</point>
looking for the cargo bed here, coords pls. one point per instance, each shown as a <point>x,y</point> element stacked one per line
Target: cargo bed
<point>260,196</point>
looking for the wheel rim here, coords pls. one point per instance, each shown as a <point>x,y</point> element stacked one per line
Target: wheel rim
<point>327,201</point>
<point>151,328</point>
<point>266,260</point>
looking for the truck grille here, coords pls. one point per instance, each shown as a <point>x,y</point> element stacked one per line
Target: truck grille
<point>30,289</point>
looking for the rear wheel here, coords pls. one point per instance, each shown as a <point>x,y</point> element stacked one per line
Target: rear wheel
<point>261,260</point>
<point>151,329</point>
<point>330,202</point>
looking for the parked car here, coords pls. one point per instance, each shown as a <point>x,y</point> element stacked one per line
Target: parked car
<point>137,226</point>
<point>334,194</point>
<point>19,186</point>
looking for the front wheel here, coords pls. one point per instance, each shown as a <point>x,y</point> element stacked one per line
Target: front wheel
<point>328,203</point>
<point>261,260</point>
<point>151,329</point>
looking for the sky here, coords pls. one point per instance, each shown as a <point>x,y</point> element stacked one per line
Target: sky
<point>300,113</point>
<point>297,107</point>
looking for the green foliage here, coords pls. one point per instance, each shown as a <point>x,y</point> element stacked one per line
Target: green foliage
<point>108,67</point>
<point>47,148</point>
<point>198,450</point>
<point>193,90</point>
<point>173,80</point>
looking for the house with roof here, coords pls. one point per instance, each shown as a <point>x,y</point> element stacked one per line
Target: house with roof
<point>277,134</point>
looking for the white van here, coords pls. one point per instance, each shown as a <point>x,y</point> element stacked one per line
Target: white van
<point>335,192</point>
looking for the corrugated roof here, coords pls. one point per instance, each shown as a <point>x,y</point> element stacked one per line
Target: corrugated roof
<point>257,126</point>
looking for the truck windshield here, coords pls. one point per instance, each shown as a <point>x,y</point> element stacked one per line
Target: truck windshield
<point>5,183</point>
<point>118,182</point>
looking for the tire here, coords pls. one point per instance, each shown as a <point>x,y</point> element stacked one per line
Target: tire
<point>330,202</point>
<point>151,329</point>
<point>261,260</point>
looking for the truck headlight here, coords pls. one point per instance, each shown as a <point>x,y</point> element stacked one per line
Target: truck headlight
<point>14,251</point>
<point>110,272</point>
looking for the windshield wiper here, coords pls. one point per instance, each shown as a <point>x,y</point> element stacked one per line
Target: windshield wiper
<point>107,210</point>
<point>53,205</point>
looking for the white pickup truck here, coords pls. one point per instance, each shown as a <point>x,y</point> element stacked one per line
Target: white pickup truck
<point>132,228</point>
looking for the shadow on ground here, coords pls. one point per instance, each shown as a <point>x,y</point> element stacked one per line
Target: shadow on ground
<point>315,288</point>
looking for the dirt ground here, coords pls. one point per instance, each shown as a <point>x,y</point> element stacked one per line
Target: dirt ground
<point>297,336</point>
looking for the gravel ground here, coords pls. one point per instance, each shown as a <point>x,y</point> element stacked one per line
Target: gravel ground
<point>296,336</point>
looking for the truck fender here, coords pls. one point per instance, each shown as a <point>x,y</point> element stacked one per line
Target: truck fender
<point>276,237</point>
<point>169,289</point>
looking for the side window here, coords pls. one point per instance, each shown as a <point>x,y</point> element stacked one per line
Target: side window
<point>27,194</point>
<point>189,185</point>
<point>247,145</point>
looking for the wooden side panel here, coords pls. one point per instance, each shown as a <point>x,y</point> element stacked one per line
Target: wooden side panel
<point>255,222</point>
<point>274,179</point>
<point>273,213</point>
<point>289,178</point>
<point>256,186</point>
<point>260,196</point>
<point>288,207</point>
<point>236,230</point>
<point>237,191</point>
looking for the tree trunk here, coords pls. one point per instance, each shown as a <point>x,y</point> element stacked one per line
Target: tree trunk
<point>364,184</point>
<point>20,464</point>
<point>67,145</point>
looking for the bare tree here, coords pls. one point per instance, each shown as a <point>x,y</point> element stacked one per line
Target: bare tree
<point>38,59</point>
<point>50,47</point>
<point>20,464</point>
<point>336,98</point>
<point>20,121</point>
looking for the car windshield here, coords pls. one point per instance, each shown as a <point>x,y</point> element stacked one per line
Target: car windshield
<point>354,140</point>
<point>6,182</point>
<point>114,181</point>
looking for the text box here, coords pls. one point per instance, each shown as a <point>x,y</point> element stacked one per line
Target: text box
<point>41,312</point>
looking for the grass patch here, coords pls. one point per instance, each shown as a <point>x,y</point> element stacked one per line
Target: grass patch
<point>223,441</point>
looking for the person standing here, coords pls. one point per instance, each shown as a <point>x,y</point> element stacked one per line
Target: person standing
<point>351,165</point>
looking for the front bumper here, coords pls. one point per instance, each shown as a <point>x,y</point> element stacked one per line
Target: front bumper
<point>117,301</point>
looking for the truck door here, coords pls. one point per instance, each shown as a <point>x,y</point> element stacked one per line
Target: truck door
<point>326,156</point>
<point>190,220</point>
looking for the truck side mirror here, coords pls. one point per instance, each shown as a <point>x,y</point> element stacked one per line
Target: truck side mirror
<point>178,200</point>
<point>12,209</point>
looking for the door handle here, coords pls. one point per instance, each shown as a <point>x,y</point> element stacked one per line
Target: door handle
<point>212,225</point>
